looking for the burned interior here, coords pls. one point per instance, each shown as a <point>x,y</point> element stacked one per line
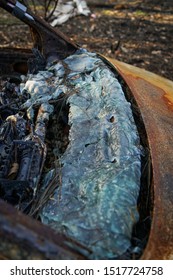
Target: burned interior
<point>73,147</point>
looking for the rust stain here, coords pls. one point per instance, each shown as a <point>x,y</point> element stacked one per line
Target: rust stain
<point>150,77</point>
<point>164,84</point>
<point>169,101</point>
<point>154,96</point>
<point>160,82</point>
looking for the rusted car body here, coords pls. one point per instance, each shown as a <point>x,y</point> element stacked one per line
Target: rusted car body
<point>21,237</point>
<point>154,96</point>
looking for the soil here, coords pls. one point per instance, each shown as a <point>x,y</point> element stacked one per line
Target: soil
<point>136,32</point>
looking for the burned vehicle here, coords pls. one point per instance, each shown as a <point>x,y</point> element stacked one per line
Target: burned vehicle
<point>86,154</point>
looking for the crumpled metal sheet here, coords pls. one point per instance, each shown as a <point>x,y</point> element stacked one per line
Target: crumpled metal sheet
<point>96,203</point>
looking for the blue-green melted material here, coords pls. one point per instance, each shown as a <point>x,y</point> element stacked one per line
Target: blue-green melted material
<point>96,203</point>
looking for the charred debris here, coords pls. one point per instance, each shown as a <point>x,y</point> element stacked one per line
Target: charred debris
<point>70,151</point>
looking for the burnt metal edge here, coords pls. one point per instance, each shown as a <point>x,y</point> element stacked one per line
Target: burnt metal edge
<point>22,237</point>
<point>154,97</point>
<point>145,202</point>
<point>50,42</point>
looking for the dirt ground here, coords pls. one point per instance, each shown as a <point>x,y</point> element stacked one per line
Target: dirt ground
<point>136,32</point>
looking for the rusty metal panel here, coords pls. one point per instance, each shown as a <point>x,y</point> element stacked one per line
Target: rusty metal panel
<point>154,96</point>
<point>24,238</point>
